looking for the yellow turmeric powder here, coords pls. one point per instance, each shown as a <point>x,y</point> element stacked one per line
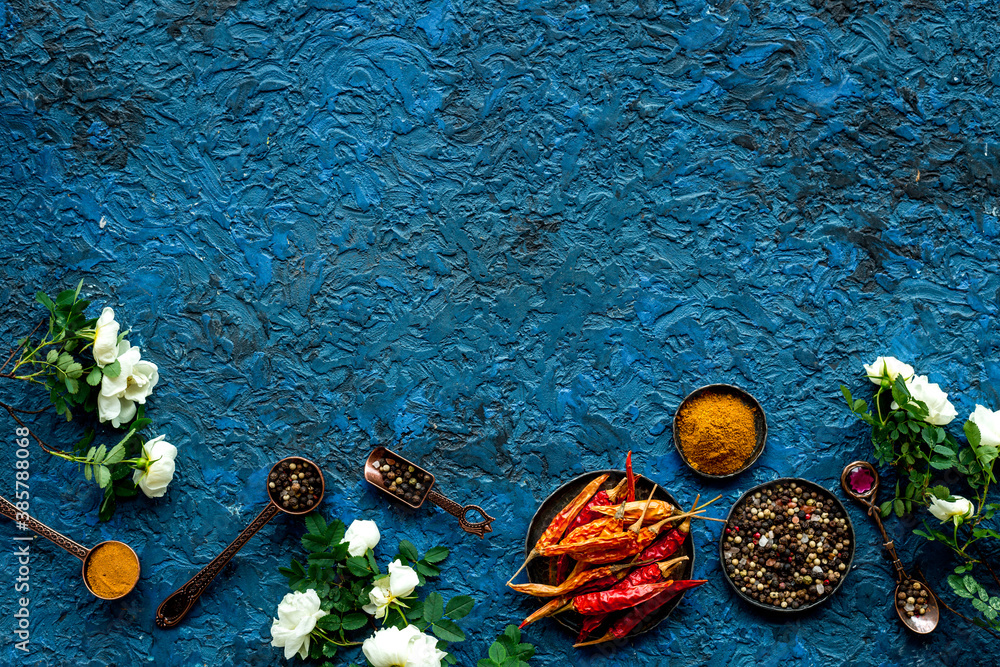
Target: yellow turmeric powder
<point>112,570</point>
<point>716,433</point>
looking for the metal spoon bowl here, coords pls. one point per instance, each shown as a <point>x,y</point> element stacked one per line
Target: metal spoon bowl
<point>855,479</point>
<point>176,606</point>
<point>83,553</point>
<point>924,623</point>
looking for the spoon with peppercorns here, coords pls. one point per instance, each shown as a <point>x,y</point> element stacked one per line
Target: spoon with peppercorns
<point>915,603</point>
<point>412,485</point>
<point>294,486</point>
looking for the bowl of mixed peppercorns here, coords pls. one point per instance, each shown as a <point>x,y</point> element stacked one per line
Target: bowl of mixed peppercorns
<point>295,485</point>
<point>398,477</point>
<point>787,545</point>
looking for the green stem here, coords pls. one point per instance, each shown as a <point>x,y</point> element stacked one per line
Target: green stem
<point>400,610</point>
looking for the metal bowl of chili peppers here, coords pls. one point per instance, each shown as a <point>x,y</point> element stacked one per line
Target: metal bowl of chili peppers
<point>719,430</point>
<point>543,570</point>
<point>787,546</point>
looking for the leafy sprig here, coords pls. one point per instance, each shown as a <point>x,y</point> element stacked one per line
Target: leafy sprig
<point>343,582</point>
<point>920,451</point>
<point>508,650</point>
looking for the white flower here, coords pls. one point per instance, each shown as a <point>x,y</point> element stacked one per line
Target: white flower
<point>106,338</point>
<point>961,508</point>
<point>135,381</point>
<point>988,422</point>
<point>361,536</point>
<point>399,583</point>
<point>888,367</point>
<point>159,470</point>
<point>940,411</point>
<point>297,616</point>
<point>392,647</point>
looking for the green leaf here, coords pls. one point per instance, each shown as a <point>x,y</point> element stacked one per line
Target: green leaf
<point>358,565</point>
<point>94,377</point>
<point>899,507</point>
<point>72,386</point>
<point>315,523</point>
<point>329,651</point>
<point>43,298</point>
<point>329,622</point>
<point>885,508</point>
<point>940,492</point>
<point>427,569</point>
<point>407,549</point>
<point>972,434</point>
<point>102,476</point>
<point>460,606</point>
<point>52,356</point>
<point>370,555</point>
<point>98,456</point>
<point>433,607</point>
<point>860,406</point>
<point>116,454</point>
<point>113,369</point>
<point>354,621</point>
<point>87,472</point>
<point>847,396</point>
<point>436,554</point>
<point>498,653</point>
<point>448,630</point>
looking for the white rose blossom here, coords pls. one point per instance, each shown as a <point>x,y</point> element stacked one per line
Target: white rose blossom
<point>157,473</point>
<point>297,616</point>
<point>889,367</point>
<point>960,508</point>
<point>106,338</point>
<point>399,583</point>
<point>134,383</point>
<point>988,423</point>
<point>392,647</point>
<point>940,411</point>
<point>361,536</point>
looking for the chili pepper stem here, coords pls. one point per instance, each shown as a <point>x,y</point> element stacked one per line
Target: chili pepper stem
<point>531,556</point>
<point>635,527</point>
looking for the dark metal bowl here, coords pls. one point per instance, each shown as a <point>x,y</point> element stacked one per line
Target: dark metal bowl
<point>810,486</point>
<point>760,425</point>
<point>538,569</point>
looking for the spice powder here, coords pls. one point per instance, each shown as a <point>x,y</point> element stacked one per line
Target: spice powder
<point>112,570</point>
<point>717,433</point>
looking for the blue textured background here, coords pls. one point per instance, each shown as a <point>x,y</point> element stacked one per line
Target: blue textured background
<point>507,239</point>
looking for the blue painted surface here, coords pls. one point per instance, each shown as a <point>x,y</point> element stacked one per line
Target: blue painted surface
<point>507,239</point>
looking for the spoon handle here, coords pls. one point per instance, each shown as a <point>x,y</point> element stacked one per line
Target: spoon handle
<point>172,610</point>
<point>8,509</point>
<point>479,528</point>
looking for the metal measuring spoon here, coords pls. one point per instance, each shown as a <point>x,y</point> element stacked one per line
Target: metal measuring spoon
<point>374,476</point>
<point>8,509</point>
<point>860,481</point>
<point>173,609</point>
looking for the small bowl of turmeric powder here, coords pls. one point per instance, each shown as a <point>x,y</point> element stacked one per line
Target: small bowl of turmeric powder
<point>111,570</point>
<point>719,430</point>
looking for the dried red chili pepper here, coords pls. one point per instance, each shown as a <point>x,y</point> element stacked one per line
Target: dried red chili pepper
<point>576,581</point>
<point>557,527</point>
<point>630,476</point>
<point>667,544</point>
<point>627,623</point>
<point>647,574</point>
<point>602,602</point>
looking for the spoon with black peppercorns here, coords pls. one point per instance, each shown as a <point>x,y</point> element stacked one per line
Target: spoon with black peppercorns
<point>411,485</point>
<point>915,603</point>
<point>294,486</point>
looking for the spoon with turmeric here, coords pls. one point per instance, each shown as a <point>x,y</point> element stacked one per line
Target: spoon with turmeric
<point>110,570</point>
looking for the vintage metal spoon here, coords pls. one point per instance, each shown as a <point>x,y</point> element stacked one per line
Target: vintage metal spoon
<point>83,553</point>
<point>373,474</point>
<point>860,481</point>
<point>172,610</point>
